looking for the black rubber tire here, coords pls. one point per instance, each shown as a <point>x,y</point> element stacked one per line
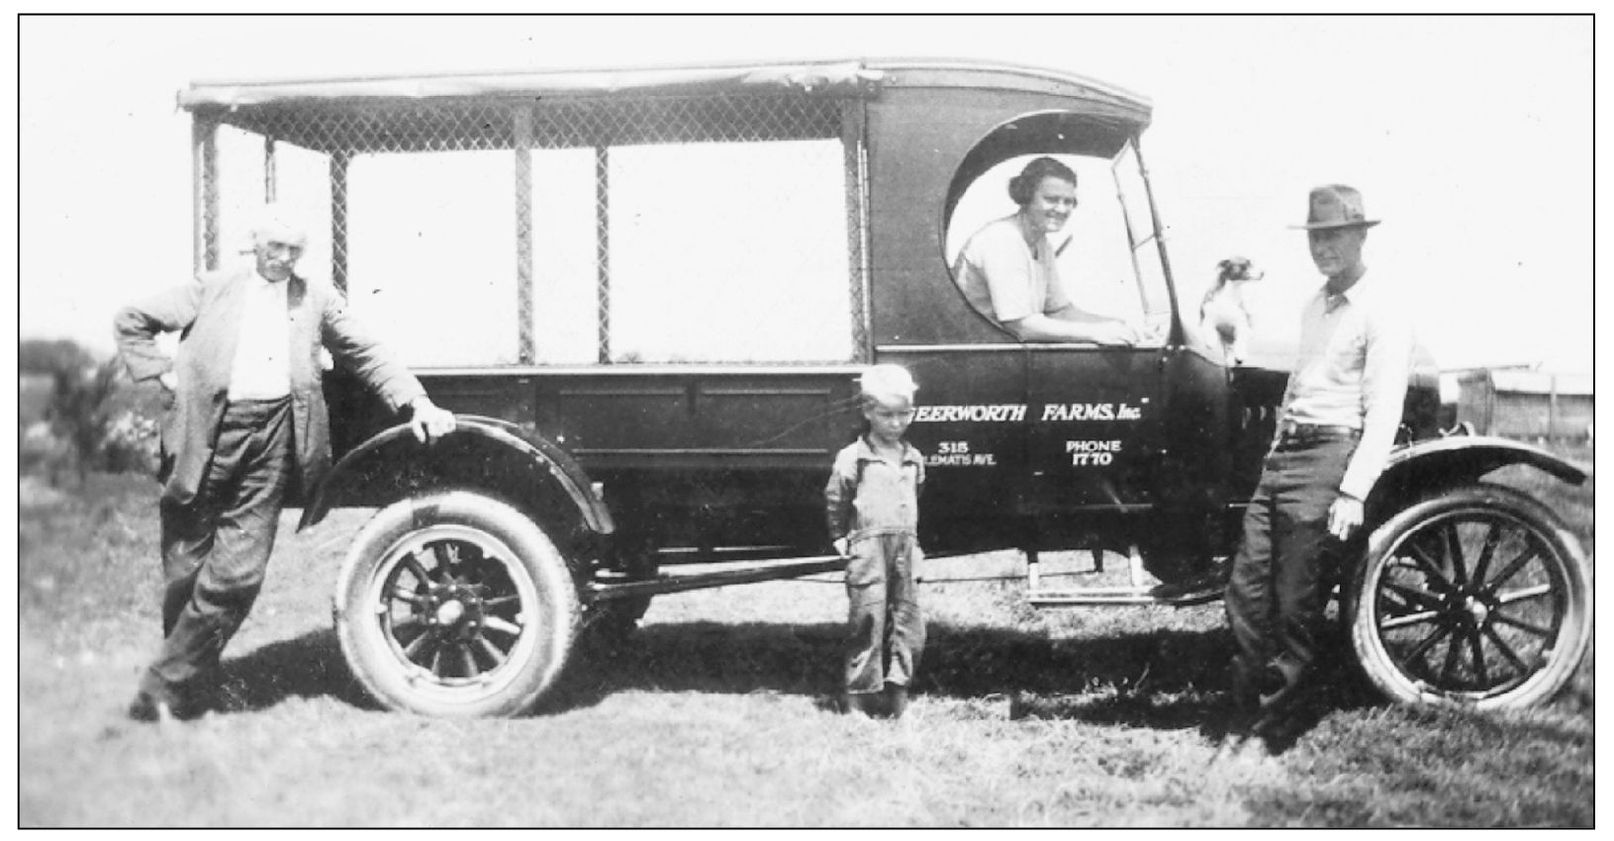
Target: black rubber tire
<point>455,604</point>
<point>1425,629</point>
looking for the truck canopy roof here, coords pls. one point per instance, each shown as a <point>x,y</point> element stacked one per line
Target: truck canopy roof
<point>840,79</point>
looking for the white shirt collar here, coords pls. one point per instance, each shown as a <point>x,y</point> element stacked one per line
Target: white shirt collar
<point>1359,292</point>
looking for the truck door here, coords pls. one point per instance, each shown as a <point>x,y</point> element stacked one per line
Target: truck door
<point>1016,434</point>
<point>1090,436</point>
<point>1093,429</point>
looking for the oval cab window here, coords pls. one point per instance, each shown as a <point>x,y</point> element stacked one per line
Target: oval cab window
<point>1044,241</point>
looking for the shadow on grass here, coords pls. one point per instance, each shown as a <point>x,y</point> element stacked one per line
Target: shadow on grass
<point>1169,680</point>
<point>307,666</point>
<point>1164,679</point>
<point>1192,690</point>
<point>1160,679</point>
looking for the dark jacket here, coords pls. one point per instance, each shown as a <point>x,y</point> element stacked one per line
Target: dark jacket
<point>207,314</point>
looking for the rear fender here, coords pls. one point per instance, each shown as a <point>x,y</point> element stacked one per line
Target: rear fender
<point>482,453</point>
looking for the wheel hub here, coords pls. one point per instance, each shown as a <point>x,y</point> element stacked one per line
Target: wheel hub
<point>455,608</point>
<point>450,612</point>
<point>1466,604</point>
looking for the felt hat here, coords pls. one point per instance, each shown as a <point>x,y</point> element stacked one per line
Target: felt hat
<point>1336,206</point>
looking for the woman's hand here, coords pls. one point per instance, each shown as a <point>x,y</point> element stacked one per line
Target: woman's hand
<point>1116,334</point>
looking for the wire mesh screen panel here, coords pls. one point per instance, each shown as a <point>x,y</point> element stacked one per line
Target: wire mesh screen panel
<point>729,252</point>
<point>241,192</point>
<point>431,255</point>
<point>503,231</point>
<point>565,272</point>
<point>299,183</point>
<point>251,171</point>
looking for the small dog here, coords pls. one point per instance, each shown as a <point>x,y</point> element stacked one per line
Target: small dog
<point>1223,309</point>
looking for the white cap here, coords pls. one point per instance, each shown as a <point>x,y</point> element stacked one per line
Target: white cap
<point>888,381</point>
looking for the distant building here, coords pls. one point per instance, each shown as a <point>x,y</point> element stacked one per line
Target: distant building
<point>1526,404</point>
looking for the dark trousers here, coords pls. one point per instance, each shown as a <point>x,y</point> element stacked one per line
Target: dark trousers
<point>885,629</point>
<point>1275,594</point>
<point>216,548</point>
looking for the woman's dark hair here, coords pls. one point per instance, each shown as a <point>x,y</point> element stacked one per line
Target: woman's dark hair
<point>1023,185</point>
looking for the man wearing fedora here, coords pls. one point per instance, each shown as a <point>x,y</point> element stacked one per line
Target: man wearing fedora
<point>1335,430</point>
<point>246,418</point>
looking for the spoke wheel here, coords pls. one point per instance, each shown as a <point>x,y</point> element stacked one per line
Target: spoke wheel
<point>1478,596</point>
<point>455,604</point>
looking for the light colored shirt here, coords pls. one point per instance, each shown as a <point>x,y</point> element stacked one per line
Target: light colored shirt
<point>1355,357</point>
<point>868,494</point>
<point>262,369</point>
<point>1005,277</point>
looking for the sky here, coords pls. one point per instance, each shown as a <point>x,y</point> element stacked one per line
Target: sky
<point>1470,137</point>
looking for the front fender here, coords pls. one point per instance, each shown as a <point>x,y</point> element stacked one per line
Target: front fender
<point>481,452</point>
<point>1424,466</point>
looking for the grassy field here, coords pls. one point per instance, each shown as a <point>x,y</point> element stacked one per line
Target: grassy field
<point>716,714</point>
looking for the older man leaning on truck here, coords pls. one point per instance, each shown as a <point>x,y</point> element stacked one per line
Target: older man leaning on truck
<point>246,417</point>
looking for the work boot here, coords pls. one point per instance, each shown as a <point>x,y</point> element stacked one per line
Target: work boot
<point>1278,685</point>
<point>151,708</point>
<point>1241,681</point>
<point>1252,690</point>
<point>896,696</point>
<point>1269,682</point>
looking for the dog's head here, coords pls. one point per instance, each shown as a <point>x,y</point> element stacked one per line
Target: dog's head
<point>1237,269</point>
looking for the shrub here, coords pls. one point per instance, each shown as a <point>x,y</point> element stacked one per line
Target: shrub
<point>130,444</point>
<point>48,356</point>
<point>90,423</point>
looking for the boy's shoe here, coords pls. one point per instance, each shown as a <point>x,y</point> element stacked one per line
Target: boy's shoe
<point>896,696</point>
<point>862,703</point>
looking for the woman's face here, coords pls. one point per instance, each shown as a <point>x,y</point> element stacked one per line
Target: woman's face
<point>1050,205</point>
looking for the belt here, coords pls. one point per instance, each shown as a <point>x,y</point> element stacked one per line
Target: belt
<point>1301,434</point>
<point>255,409</point>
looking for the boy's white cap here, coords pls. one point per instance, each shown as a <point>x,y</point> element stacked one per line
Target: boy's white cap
<point>275,223</point>
<point>888,381</point>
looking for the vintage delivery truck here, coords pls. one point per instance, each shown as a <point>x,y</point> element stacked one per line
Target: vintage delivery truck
<point>649,295</point>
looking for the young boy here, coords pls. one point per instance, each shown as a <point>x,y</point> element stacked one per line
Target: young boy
<point>872,501</point>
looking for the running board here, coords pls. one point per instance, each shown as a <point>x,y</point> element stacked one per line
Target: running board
<point>1122,596</point>
<point>663,584</point>
<point>1144,589</point>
